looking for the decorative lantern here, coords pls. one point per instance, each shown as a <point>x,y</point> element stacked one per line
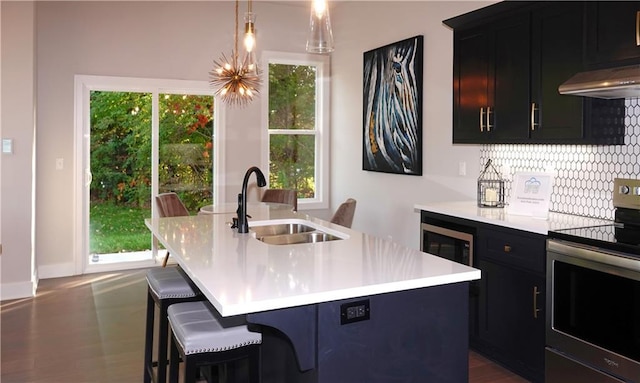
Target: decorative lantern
<point>490,187</point>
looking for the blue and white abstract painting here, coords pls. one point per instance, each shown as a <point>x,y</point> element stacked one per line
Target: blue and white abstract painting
<point>392,98</point>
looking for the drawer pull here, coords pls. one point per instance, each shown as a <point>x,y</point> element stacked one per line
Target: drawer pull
<point>507,248</point>
<point>536,310</point>
<point>489,126</point>
<point>481,119</point>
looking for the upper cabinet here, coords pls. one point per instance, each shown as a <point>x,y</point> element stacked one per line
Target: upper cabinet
<point>613,33</point>
<point>509,60</point>
<point>491,77</point>
<point>556,37</point>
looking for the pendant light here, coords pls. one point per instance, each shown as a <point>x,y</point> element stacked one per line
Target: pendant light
<point>320,39</point>
<point>238,81</point>
<point>250,62</point>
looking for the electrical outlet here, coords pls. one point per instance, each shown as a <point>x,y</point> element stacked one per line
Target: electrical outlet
<point>354,311</point>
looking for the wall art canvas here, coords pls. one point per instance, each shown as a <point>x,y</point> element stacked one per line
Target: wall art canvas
<point>392,109</point>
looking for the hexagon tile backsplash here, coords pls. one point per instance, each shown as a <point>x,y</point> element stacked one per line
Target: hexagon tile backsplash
<point>584,174</point>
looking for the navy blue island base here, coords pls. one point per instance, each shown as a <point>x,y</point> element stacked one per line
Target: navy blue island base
<point>412,336</point>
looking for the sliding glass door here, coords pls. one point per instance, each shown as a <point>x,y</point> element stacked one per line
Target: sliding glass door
<point>120,168</point>
<point>140,138</point>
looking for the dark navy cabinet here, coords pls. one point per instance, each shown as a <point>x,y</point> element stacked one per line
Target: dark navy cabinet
<point>556,39</point>
<point>491,79</point>
<point>507,305</point>
<point>509,59</point>
<point>511,301</point>
<point>613,33</point>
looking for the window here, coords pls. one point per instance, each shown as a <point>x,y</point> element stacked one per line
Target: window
<point>296,124</point>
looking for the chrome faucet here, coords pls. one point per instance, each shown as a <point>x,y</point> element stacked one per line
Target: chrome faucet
<point>243,223</point>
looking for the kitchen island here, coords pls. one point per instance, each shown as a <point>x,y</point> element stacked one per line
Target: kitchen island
<point>355,309</point>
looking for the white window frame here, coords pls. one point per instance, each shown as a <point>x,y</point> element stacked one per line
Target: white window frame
<point>84,85</point>
<point>322,127</point>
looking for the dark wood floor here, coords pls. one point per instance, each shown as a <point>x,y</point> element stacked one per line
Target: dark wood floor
<point>91,329</point>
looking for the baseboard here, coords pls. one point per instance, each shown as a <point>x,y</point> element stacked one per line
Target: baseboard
<point>57,270</point>
<point>98,268</point>
<point>18,290</point>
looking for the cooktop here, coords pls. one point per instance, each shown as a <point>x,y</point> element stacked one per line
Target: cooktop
<point>624,234</point>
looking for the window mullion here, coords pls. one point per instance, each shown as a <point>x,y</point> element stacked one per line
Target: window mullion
<point>292,131</point>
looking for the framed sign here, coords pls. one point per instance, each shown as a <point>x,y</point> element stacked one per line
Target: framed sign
<point>531,194</point>
<point>392,108</point>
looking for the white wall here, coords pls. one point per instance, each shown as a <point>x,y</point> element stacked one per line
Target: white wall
<point>385,201</point>
<point>180,40</point>
<point>18,123</point>
<point>175,40</point>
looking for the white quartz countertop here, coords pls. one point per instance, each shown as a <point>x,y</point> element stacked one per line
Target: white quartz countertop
<point>469,210</point>
<point>240,274</point>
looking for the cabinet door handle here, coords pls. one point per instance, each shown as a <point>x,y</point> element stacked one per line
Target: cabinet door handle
<point>533,116</point>
<point>507,248</point>
<point>638,28</point>
<point>481,119</point>
<point>536,310</point>
<point>489,126</point>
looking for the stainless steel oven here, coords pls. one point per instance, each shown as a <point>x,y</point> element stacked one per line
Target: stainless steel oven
<point>454,244</point>
<point>593,315</point>
<point>593,297</point>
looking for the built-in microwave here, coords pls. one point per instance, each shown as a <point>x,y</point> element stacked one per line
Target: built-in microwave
<point>450,243</point>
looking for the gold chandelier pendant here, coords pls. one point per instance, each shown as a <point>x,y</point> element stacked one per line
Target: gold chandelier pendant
<point>238,82</point>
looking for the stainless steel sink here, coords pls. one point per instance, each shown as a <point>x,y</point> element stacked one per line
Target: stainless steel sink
<point>295,238</point>
<point>290,233</point>
<point>280,229</point>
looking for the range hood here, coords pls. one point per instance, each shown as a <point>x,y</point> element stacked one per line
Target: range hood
<point>620,82</point>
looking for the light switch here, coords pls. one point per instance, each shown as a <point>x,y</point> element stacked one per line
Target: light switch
<point>7,145</point>
<point>462,168</point>
<point>59,163</point>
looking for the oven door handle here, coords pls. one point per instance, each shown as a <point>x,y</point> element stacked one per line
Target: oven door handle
<point>593,254</point>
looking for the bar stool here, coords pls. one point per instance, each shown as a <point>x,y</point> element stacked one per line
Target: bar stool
<point>201,340</point>
<point>166,286</point>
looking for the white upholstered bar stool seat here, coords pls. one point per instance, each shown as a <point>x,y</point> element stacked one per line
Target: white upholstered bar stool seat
<point>166,286</point>
<point>203,339</point>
